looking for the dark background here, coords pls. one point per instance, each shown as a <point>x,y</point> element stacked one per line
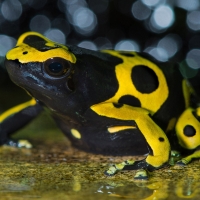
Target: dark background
<point>166,29</point>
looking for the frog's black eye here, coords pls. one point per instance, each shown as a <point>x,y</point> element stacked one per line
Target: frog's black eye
<point>57,67</point>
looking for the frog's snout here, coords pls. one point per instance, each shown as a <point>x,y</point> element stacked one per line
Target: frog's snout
<point>11,65</point>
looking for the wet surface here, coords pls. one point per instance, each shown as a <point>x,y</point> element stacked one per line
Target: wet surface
<point>54,172</point>
<point>52,169</point>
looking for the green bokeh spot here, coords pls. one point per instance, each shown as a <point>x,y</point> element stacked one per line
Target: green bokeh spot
<point>186,71</point>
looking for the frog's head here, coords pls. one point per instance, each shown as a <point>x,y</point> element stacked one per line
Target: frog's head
<point>40,66</point>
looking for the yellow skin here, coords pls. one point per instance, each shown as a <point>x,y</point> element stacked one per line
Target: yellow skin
<point>151,131</point>
<point>151,102</point>
<point>37,56</point>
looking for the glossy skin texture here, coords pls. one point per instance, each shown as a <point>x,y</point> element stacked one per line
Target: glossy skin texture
<point>118,103</point>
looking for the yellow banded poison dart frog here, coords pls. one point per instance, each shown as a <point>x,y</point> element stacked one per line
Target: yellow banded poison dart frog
<point>108,102</point>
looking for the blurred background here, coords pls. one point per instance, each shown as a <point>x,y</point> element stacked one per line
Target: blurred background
<point>166,29</point>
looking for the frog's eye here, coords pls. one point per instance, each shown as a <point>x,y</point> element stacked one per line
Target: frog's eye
<point>57,67</point>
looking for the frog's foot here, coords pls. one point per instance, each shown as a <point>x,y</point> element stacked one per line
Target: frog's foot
<point>150,163</point>
<point>141,174</point>
<point>118,167</point>
<point>19,143</point>
<point>183,162</point>
<point>188,159</point>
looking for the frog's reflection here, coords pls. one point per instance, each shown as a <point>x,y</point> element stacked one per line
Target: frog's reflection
<point>185,188</point>
<point>136,190</point>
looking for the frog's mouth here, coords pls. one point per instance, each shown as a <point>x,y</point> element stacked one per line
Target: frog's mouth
<point>12,67</point>
<point>18,75</point>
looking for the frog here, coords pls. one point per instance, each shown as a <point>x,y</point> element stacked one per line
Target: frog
<point>106,102</point>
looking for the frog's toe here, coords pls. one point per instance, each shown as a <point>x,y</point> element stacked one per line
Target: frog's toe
<point>19,143</point>
<point>141,175</point>
<point>24,144</point>
<point>182,162</point>
<point>111,171</point>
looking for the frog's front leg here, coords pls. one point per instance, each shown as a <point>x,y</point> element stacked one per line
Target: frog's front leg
<point>154,135</point>
<point>14,119</point>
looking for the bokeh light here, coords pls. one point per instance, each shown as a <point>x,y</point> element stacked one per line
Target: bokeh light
<point>140,11</point>
<point>40,23</point>
<point>186,71</point>
<point>11,9</point>
<point>193,58</point>
<point>103,43</point>
<point>162,17</point>
<point>151,3</point>
<point>56,35</point>
<point>188,4</point>
<point>158,53</point>
<point>6,43</point>
<point>193,20</point>
<point>73,6</point>
<point>61,24</point>
<point>84,20</point>
<point>88,45</point>
<point>127,45</point>
<point>171,44</point>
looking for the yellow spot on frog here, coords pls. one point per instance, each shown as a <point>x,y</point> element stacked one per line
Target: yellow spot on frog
<point>76,133</point>
<point>115,129</point>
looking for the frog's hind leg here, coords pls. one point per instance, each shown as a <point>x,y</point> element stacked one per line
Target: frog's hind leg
<point>188,159</point>
<point>155,137</point>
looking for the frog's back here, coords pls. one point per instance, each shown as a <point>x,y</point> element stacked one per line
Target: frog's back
<point>132,78</point>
